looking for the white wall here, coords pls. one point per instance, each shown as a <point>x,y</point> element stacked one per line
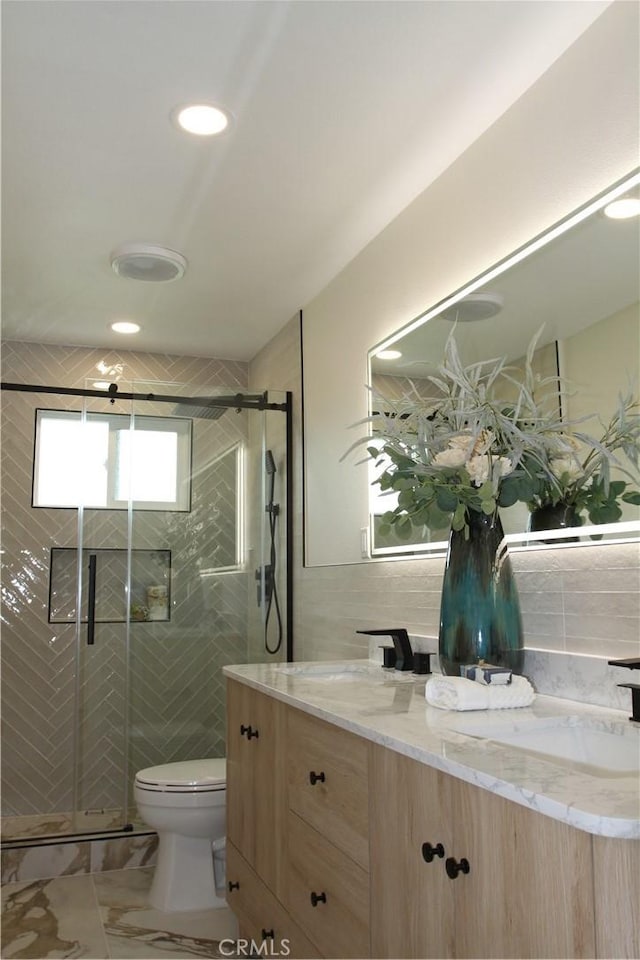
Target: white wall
<point>568,138</point>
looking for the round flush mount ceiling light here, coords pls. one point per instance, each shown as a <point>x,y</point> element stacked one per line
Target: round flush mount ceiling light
<point>145,261</point>
<point>388,355</point>
<point>623,209</point>
<point>202,119</point>
<point>475,306</point>
<point>125,326</point>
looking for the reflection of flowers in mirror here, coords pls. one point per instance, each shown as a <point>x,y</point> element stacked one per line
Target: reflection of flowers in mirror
<point>580,475</point>
<point>465,448</point>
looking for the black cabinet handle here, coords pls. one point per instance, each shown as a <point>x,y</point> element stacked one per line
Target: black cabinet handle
<point>91,600</point>
<point>453,868</point>
<point>317,898</point>
<point>233,885</point>
<point>248,732</point>
<point>429,851</point>
<point>267,934</point>
<point>315,777</point>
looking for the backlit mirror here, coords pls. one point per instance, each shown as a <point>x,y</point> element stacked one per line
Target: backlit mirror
<point>581,280</point>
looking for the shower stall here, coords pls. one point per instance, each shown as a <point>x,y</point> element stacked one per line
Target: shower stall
<point>146,544</point>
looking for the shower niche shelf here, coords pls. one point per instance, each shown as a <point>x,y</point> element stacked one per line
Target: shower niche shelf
<point>150,570</point>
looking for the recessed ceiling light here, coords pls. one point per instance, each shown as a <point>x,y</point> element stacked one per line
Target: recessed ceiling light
<point>146,261</point>
<point>623,208</point>
<point>388,355</point>
<point>203,119</point>
<point>125,326</point>
<point>475,306</point>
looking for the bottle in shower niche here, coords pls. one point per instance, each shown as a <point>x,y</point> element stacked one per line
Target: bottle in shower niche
<point>158,602</point>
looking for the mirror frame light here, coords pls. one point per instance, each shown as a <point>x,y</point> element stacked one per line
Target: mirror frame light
<point>526,540</point>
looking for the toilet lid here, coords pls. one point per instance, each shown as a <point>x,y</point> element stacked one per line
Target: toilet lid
<point>190,776</point>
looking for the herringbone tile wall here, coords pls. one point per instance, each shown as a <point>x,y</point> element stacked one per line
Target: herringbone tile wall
<point>174,686</point>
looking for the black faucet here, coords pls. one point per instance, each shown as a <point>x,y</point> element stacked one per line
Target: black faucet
<point>400,637</point>
<point>631,663</point>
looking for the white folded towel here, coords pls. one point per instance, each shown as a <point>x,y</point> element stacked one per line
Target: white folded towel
<point>458,693</point>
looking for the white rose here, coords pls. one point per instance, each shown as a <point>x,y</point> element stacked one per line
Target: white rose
<point>560,466</point>
<point>450,458</point>
<point>504,465</point>
<point>478,469</point>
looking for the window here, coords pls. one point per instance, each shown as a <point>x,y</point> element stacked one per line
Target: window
<point>105,460</point>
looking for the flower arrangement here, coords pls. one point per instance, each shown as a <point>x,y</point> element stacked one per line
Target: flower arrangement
<point>464,447</point>
<point>579,477</point>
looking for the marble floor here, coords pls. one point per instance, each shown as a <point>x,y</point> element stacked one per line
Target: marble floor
<point>105,916</point>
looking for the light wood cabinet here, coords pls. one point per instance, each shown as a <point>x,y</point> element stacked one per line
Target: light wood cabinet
<point>509,882</point>
<point>261,917</point>
<point>616,867</point>
<point>327,782</point>
<point>349,849</point>
<point>328,893</point>
<point>256,781</point>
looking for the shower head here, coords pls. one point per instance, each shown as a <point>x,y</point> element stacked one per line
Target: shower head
<point>269,463</point>
<point>198,412</point>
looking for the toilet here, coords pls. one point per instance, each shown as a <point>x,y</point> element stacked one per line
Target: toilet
<point>185,803</point>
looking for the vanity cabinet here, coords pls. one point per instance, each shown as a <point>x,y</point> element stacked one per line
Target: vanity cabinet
<point>261,917</point>
<point>495,879</point>
<point>256,781</point>
<point>349,849</point>
<point>328,835</point>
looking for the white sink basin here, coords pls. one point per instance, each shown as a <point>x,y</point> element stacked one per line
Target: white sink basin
<point>325,671</point>
<point>573,740</point>
<point>600,752</point>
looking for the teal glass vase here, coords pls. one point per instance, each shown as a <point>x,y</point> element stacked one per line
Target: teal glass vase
<point>479,611</point>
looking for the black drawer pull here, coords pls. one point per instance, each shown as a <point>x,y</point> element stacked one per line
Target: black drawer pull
<point>249,732</point>
<point>314,777</point>
<point>317,898</point>
<point>429,851</point>
<point>267,934</point>
<point>453,868</point>
<point>233,885</point>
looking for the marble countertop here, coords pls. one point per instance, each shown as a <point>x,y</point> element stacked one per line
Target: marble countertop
<point>389,708</point>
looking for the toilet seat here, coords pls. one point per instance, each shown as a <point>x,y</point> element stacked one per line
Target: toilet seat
<point>187,776</point>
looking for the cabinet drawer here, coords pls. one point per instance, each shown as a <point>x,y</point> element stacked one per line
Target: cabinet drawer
<point>339,922</point>
<point>328,782</point>
<point>260,916</point>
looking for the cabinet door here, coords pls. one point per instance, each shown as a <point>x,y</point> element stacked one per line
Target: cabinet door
<point>529,890</point>
<point>616,869</point>
<point>328,893</point>
<point>328,782</point>
<point>411,898</point>
<point>256,780</point>
<point>261,917</point>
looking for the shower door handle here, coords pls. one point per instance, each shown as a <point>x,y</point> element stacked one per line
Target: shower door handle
<point>91,600</point>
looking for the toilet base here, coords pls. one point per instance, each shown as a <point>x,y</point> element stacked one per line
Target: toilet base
<point>183,878</point>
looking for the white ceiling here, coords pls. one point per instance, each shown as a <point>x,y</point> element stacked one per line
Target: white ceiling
<point>344,112</point>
